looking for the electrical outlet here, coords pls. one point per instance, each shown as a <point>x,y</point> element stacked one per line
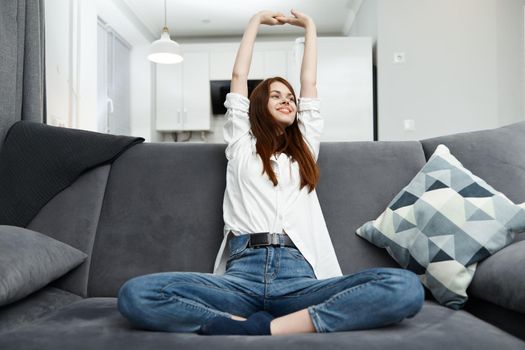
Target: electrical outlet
<point>399,57</point>
<point>409,124</point>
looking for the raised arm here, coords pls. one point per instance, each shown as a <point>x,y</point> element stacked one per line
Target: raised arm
<point>241,68</point>
<point>309,64</point>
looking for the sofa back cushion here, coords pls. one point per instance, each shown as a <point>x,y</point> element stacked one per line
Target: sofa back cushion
<point>358,179</point>
<point>162,209</point>
<point>495,155</point>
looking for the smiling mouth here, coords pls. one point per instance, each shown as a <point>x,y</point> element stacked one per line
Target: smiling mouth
<point>284,110</point>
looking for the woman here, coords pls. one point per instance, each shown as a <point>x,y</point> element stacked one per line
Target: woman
<point>280,269</point>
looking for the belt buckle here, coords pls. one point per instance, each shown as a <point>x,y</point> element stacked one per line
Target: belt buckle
<point>274,239</point>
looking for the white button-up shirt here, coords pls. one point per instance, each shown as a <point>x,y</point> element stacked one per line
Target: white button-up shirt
<point>253,204</point>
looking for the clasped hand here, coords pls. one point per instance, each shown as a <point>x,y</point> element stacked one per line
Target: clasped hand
<point>277,18</point>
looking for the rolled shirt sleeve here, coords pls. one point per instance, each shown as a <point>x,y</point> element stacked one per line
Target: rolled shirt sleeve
<point>237,125</point>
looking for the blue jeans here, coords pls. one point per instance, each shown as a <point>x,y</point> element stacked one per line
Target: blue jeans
<point>276,279</point>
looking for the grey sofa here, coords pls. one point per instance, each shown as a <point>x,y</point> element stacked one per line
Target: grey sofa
<point>158,207</point>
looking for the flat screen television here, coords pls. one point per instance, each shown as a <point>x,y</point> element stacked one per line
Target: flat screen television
<point>219,89</point>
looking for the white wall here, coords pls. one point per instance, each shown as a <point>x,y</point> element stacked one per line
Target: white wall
<point>511,64</point>
<point>463,69</point>
<point>449,81</point>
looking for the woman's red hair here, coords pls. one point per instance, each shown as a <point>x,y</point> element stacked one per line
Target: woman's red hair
<point>270,140</point>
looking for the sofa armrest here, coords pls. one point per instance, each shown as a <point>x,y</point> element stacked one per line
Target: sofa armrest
<point>500,278</point>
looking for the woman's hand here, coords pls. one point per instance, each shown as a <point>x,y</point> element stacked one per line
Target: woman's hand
<point>297,19</point>
<point>269,17</point>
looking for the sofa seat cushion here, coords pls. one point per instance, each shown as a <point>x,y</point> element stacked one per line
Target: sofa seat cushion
<point>95,323</point>
<point>34,306</point>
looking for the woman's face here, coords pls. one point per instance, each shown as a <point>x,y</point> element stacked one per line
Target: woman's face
<point>282,104</point>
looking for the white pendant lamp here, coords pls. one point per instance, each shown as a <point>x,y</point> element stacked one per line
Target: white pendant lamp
<point>165,50</point>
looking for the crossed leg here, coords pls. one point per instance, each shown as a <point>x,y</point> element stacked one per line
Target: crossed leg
<point>368,299</point>
<point>183,301</point>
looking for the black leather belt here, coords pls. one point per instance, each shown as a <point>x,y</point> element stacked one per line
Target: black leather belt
<point>269,239</point>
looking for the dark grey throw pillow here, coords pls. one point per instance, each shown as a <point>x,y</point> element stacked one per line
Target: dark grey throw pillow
<point>500,279</point>
<point>30,260</point>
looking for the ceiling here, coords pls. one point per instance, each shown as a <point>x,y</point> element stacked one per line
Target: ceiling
<point>190,19</point>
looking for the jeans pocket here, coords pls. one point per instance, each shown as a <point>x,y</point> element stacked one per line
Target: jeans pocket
<point>238,246</point>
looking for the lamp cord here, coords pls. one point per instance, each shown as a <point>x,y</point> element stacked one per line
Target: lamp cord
<point>165,11</point>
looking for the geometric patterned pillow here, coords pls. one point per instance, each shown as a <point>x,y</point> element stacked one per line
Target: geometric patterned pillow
<point>442,223</point>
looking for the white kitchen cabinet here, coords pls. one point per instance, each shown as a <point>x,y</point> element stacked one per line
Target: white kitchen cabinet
<point>344,85</point>
<point>183,102</point>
